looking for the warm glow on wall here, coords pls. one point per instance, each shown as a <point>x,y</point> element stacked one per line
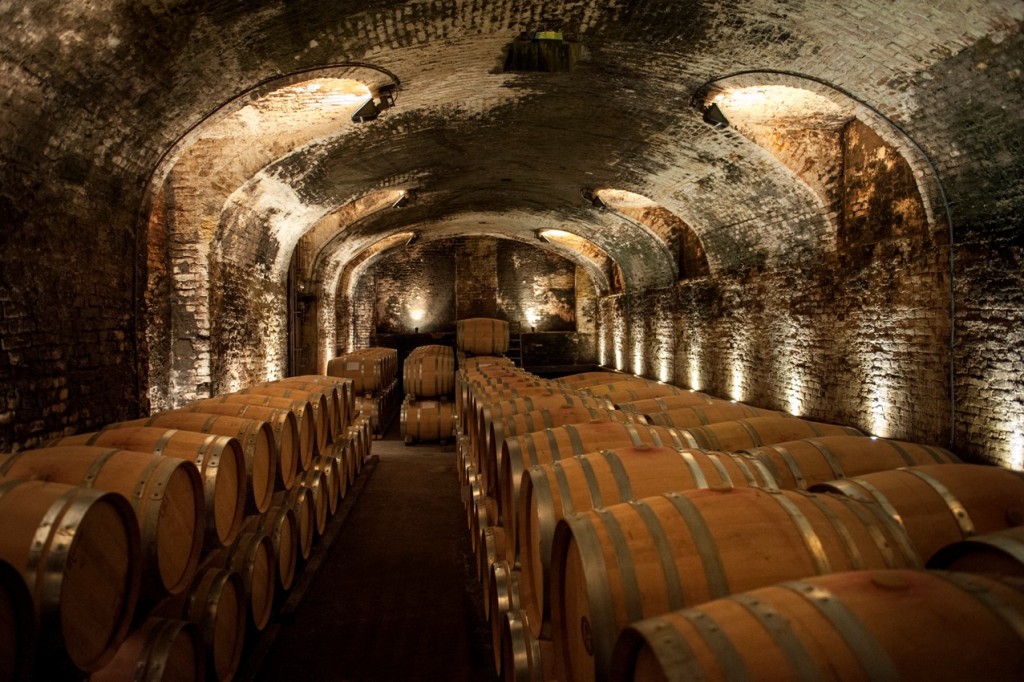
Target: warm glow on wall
<point>738,377</point>
<point>879,408</point>
<point>620,350</point>
<point>532,317</point>
<point>1016,461</point>
<point>416,314</point>
<point>693,360</point>
<point>602,349</point>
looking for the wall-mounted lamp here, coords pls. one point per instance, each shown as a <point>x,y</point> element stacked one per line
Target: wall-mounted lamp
<point>413,238</point>
<point>367,112</point>
<point>407,197</point>
<point>714,117</point>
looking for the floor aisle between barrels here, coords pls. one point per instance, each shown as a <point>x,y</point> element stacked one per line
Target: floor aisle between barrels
<point>396,596</point>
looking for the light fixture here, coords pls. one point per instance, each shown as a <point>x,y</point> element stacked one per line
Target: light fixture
<point>714,117</point>
<point>401,202</point>
<point>592,198</point>
<point>367,112</point>
<point>413,238</point>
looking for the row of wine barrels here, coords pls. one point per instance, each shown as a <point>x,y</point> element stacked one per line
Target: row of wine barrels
<point>707,545</point>
<point>429,372</point>
<point>166,495</point>
<point>369,369</point>
<point>477,362</point>
<point>219,459</point>
<point>870,625</point>
<point>79,551</point>
<point>632,390</point>
<point>255,436</point>
<point>324,418</point>
<point>649,406</point>
<point>699,415</point>
<point>482,335</point>
<point>427,420</point>
<point>381,407</point>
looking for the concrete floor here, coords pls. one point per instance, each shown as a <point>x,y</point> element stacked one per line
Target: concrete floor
<point>395,596</point>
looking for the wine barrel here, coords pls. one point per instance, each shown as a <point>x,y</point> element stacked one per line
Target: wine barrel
<point>282,422</point>
<point>217,605</point>
<point>481,335</point>
<point>503,599</point>
<point>699,415</point>
<point>220,461</point>
<point>333,391</point>
<point>550,492</point>
<point>252,557</point>
<point>341,452</point>
<point>584,379</point>
<point>803,463</point>
<point>524,658</point>
<point>84,580</point>
<point>683,549</point>
<point>255,436</point>
<point>940,504</point>
<point>667,402</point>
<point>490,551</point>
<point>742,434</point>
<point>166,495</point>
<point>631,391</point>
<point>429,372</point>
<point>317,400</point>
<point>999,554</point>
<point>332,472</point>
<point>303,411</point>
<point>281,526</point>
<point>369,369</point>
<point>17,626</point>
<point>315,484</point>
<point>538,420</point>
<point>864,625</point>
<point>485,361</point>
<point>160,650</point>
<point>542,447</point>
<point>427,420</point>
<point>299,500</point>
<point>346,394</point>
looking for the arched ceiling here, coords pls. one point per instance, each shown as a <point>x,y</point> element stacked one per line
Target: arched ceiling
<point>472,140</point>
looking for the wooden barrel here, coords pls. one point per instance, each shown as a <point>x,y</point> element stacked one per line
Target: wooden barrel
<point>283,423</point>
<point>303,411</point>
<point>340,452</point>
<point>699,415</point>
<point>17,626</point>
<point>252,557</point>
<point>316,486</point>
<point>281,526</point>
<point>317,400</point>
<point>300,502</point>
<point>332,471</point>
<point>494,409</point>
<point>999,554</point>
<point>160,650</point>
<point>940,504</point>
<point>864,625</point>
<point>584,379</point>
<point>369,369</point>
<point>429,372</point>
<point>166,495</point>
<point>427,420</point>
<point>484,361</point>
<point>503,598</point>
<point>84,580</point>
<point>542,447</point>
<point>667,402</point>
<point>524,658</point>
<point>803,463</point>
<point>538,420</point>
<point>218,606</point>
<point>491,550</point>
<point>481,335</point>
<point>220,461</point>
<point>626,562</point>
<point>333,391</point>
<point>743,434</point>
<point>631,391</point>
<point>551,492</point>
<point>255,436</point>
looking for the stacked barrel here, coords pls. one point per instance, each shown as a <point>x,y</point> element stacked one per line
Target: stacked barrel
<point>481,336</point>
<point>428,381</point>
<point>374,376</point>
<point>666,534</point>
<point>166,541</point>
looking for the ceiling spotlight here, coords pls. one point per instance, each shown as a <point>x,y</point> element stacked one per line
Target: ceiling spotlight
<point>714,117</point>
<point>415,236</point>
<point>404,200</point>
<point>367,112</point>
